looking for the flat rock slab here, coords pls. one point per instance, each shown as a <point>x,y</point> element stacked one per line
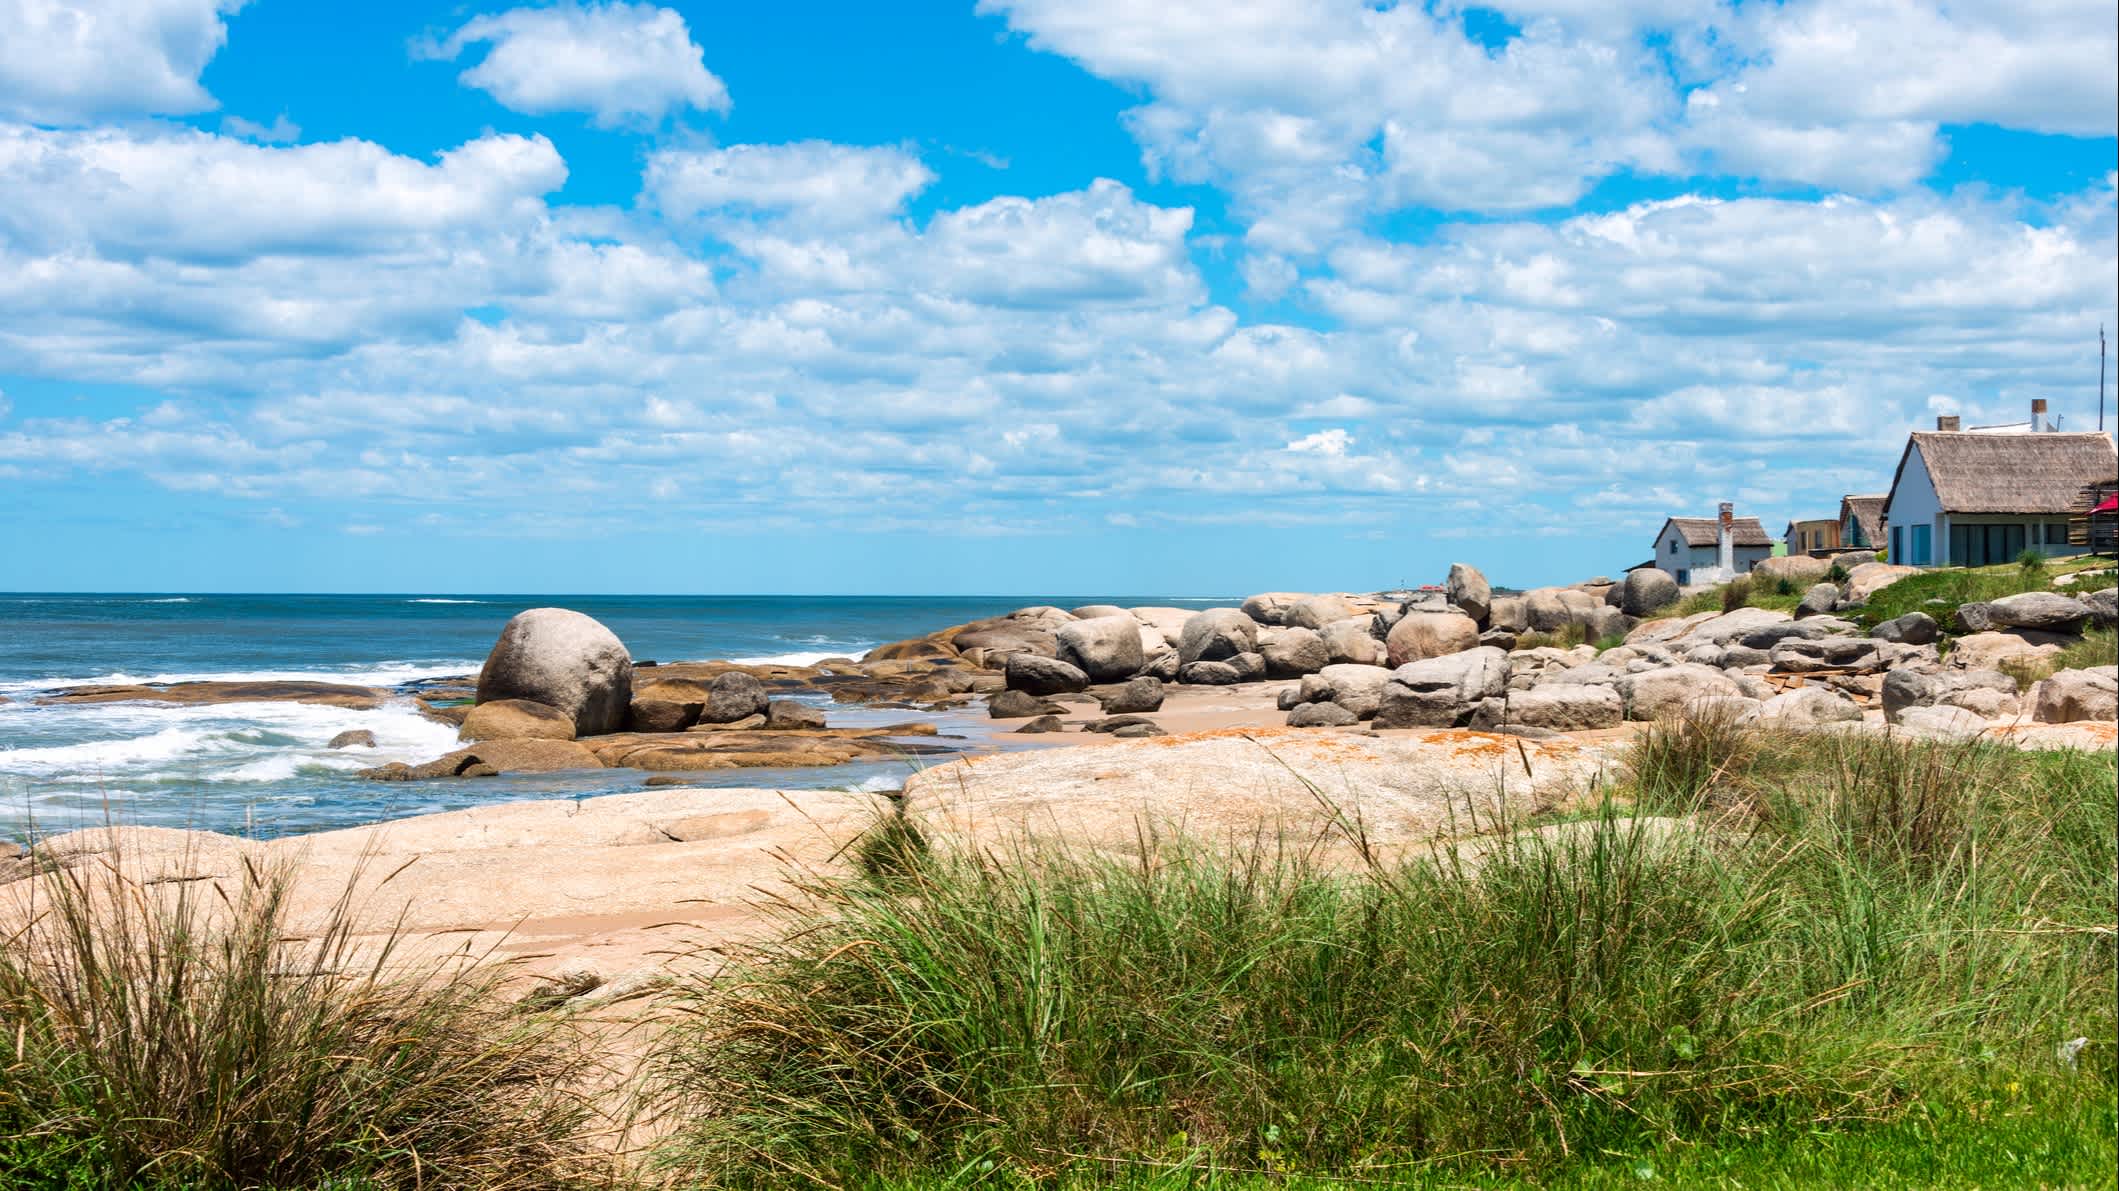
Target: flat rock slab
<point>328,694</point>
<point>1403,791</point>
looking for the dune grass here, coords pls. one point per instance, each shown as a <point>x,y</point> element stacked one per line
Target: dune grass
<point>1938,592</point>
<point>1839,942</point>
<point>179,1035</point>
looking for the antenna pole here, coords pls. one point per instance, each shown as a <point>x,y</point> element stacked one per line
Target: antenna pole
<point>2100,378</point>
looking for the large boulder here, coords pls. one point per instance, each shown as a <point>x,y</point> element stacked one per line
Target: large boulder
<point>650,715</point>
<point>1317,611</point>
<point>1661,693</point>
<point>1469,591</point>
<point>1269,607</point>
<point>1002,636</point>
<point>2022,647</point>
<point>1819,600</point>
<point>1223,673</point>
<point>1320,715</point>
<point>1941,723</point>
<point>2077,695</point>
<point>1508,614</point>
<point>562,659</point>
<point>516,719</point>
<point>1802,656</point>
<point>1811,705</point>
<point>1357,688</point>
<point>1294,652</point>
<point>1726,628</point>
<point>1556,708</point>
<point>1034,675</point>
<point>1166,623</point>
<point>2046,611</point>
<point>1799,569</point>
<point>1986,693</point>
<point>1442,692</point>
<point>1093,611</point>
<point>1354,641</point>
<point>1133,696</point>
<point>1216,635</point>
<point>2104,607</point>
<point>734,696</point>
<point>1106,648</point>
<point>1606,622</point>
<point>1545,611</point>
<point>1869,578</point>
<point>1017,705</point>
<point>1808,629</point>
<point>1914,628</point>
<point>1421,635</point>
<point>1647,590</point>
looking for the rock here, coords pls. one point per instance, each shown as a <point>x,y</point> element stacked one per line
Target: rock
<point>1135,695</point>
<point>1353,641</point>
<point>1469,591</point>
<point>491,757</point>
<point>1724,709</point>
<point>1557,708</point>
<point>1317,611</point>
<point>564,660</point>
<point>733,696</point>
<point>1044,676</point>
<point>1136,731</point>
<point>516,719</point>
<point>2043,610</point>
<point>1944,723</point>
<point>1818,601</point>
<point>321,694</point>
<point>651,715</point>
<point>1357,688</point>
<point>1442,692</point>
<point>1869,578</point>
<point>353,738</point>
<point>1914,628</point>
<point>1249,667</point>
<point>2104,607</point>
<point>1508,613</point>
<point>1016,705</point>
<point>1605,622</point>
<point>1106,648</point>
<point>1321,715</point>
<point>1271,607</point>
<point>1799,569</point>
<point>1163,666</point>
<point>1043,723</point>
<point>1728,627</point>
<point>2075,695</point>
<point>1647,590</point>
<point>1809,628</point>
<point>1988,651</point>
<point>1421,635</point>
<point>1987,693</point>
<point>1656,694</point>
<point>1498,638</point>
<point>1114,723</point>
<point>786,715</point>
<point>1811,705</point>
<point>1167,623</point>
<point>1100,611</point>
<point>1216,635</point>
<point>1209,674</point>
<point>1975,617</point>
<point>1798,656</point>
<point>1006,638</point>
<point>1295,652</point>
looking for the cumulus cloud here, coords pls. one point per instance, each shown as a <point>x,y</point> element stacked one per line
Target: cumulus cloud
<point>813,182</point>
<point>70,61</point>
<point>621,63</point>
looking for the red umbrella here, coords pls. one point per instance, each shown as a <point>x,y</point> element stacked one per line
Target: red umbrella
<point>2110,505</point>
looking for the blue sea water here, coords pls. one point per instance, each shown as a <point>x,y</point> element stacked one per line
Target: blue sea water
<point>264,768</point>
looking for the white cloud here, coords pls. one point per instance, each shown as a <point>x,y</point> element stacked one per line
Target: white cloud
<point>279,132</point>
<point>813,182</point>
<point>70,61</point>
<point>1334,441</point>
<point>623,64</point>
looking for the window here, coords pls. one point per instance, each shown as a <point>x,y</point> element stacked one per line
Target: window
<point>1898,543</point>
<point>1673,545</point>
<point>2056,533</point>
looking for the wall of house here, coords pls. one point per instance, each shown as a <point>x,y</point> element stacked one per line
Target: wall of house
<point>1913,502</point>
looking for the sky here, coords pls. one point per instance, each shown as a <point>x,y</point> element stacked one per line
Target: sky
<point>1199,297</point>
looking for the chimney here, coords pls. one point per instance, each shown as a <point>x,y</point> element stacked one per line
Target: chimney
<point>2038,421</point>
<point>1725,540</point>
<point>1946,423</point>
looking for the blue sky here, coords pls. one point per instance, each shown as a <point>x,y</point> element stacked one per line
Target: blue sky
<point>1013,296</point>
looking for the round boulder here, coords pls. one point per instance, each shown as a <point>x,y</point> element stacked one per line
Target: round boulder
<point>1134,695</point>
<point>1293,653</point>
<point>1315,612</point>
<point>1106,648</point>
<point>1422,635</point>
<point>1217,635</point>
<point>2050,611</point>
<point>1034,675</point>
<point>1647,590</point>
<point>563,660</point>
<point>734,696</point>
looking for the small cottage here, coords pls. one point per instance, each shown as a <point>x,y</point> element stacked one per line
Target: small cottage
<point>1817,536</point>
<point>1861,522</point>
<point>1973,498</point>
<point>1711,549</point>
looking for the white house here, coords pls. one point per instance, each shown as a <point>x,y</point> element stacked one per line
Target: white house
<point>1973,498</point>
<point>1692,548</point>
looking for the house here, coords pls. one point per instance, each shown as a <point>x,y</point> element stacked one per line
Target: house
<point>1818,536</point>
<point>1980,497</point>
<point>1861,522</point>
<point>1711,549</point>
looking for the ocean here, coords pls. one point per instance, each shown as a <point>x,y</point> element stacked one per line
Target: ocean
<point>263,769</point>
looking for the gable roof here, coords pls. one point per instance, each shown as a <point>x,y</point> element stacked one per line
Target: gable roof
<point>1702,531</point>
<point>1868,512</point>
<point>2008,473</point>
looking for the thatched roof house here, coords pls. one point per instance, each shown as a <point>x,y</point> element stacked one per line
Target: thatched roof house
<point>1973,499</point>
<point>1861,520</point>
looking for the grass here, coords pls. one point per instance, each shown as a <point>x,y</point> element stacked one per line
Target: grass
<point>178,1035</point>
<point>2096,647</point>
<point>1781,595</point>
<point>1938,592</point>
<point>1870,944</point>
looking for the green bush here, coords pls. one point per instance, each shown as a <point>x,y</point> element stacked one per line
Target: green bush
<point>1843,931</point>
<point>177,1035</point>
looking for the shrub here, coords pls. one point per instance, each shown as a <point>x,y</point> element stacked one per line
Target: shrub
<point>1736,593</point>
<point>1567,636</point>
<point>178,1035</point>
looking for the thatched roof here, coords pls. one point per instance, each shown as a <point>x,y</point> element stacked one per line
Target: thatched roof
<point>2008,473</point>
<point>1702,531</point>
<point>1868,512</point>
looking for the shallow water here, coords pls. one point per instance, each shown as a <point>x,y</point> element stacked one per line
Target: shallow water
<point>263,768</point>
